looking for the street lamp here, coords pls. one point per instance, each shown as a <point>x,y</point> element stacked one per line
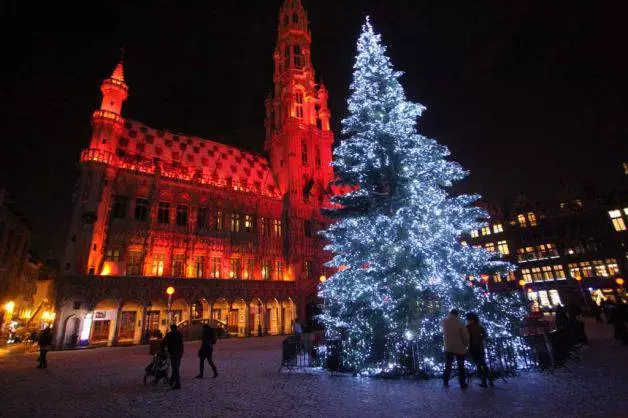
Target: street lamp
<point>170,292</point>
<point>579,280</point>
<point>323,278</point>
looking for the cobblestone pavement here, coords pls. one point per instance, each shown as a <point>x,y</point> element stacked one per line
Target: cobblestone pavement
<point>108,382</point>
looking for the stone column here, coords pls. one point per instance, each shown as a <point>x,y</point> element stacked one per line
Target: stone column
<point>116,325</point>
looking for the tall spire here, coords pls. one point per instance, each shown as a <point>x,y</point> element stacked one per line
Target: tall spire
<point>118,72</point>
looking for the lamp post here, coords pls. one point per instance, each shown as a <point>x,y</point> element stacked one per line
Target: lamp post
<point>579,280</point>
<point>620,284</point>
<point>170,292</point>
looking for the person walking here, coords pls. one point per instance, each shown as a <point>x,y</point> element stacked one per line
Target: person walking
<point>45,341</point>
<point>173,342</point>
<point>456,339</point>
<point>208,340</point>
<point>477,334</point>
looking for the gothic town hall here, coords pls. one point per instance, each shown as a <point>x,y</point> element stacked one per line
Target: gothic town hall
<point>232,233</point>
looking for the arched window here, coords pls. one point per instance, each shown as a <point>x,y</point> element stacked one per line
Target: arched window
<point>286,56</point>
<point>295,18</point>
<point>298,99</point>
<point>298,57</point>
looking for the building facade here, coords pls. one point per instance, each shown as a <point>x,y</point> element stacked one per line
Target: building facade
<point>573,251</point>
<point>234,233</point>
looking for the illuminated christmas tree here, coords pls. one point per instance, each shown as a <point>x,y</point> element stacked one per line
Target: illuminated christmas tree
<point>401,263</point>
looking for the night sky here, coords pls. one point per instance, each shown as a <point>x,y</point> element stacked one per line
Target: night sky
<point>528,95</point>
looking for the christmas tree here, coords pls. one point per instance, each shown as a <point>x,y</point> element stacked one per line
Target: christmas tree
<point>401,263</point>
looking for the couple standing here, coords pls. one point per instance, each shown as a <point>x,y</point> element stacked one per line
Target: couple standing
<point>173,342</point>
<point>457,337</point>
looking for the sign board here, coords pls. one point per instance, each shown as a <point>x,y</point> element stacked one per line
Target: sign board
<point>103,315</point>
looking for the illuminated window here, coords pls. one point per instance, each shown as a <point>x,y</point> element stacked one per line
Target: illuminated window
<point>490,246</point>
<point>600,268</point>
<point>587,270</point>
<point>133,263</point>
<point>266,270</point>
<point>307,228</point>
<point>286,20</point>
<point>475,233</point>
<point>551,250</point>
<point>317,156</point>
<point>544,299</point>
<point>303,152</point>
<point>486,230</point>
<point>525,274</point>
<point>611,265</point>
<point>248,223</point>
<point>531,218</point>
<point>157,268</point>
<point>530,253</point>
<point>247,271</point>
<point>559,273</point>
<point>141,209</point>
<point>511,276</point>
<point>299,104</point>
<point>182,215</point>
<point>497,228</point>
<point>163,213</point>
<point>536,274</point>
<point>463,242</point>
<point>574,271</point>
<point>234,226</point>
<point>234,268</point>
<point>547,273</point>
<point>218,221</point>
<point>533,297</point>
<point>521,255</point>
<point>618,221</point>
<point>199,264</point>
<point>277,227</point>
<point>202,218</point>
<point>178,265</point>
<point>112,255</point>
<point>522,220</point>
<point>503,247</point>
<point>216,267</point>
<point>278,273</point>
<point>265,226</point>
<point>497,278</point>
<point>554,297</point>
<point>119,206</point>
<point>298,56</point>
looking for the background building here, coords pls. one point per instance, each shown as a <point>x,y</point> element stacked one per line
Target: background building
<point>233,232</point>
<point>574,249</point>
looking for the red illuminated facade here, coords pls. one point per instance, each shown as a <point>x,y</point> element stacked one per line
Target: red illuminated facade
<point>152,203</point>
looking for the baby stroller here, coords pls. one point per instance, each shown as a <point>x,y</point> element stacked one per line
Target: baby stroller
<point>158,369</point>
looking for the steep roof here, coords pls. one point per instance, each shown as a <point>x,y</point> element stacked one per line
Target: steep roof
<point>193,158</point>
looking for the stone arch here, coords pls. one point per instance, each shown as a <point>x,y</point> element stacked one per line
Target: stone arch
<point>238,318</point>
<point>103,321</point>
<point>272,317</point>
<point>220,311</point>
<point>289,312</point>
<point>129,330</point>
<point>256,318</point>
<point>179,311</point>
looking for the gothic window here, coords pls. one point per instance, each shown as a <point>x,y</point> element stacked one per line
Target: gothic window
<point>199,262</point>
<point>216,267</point>
<point>182,215</point>
<point>247,272</point>
<point>218,221</point>
<point>201,218</point>
<point>278,273</point>
<point>163,213</point>
<point>248,223</point>
<point>265,226</point>
<point>158,264</point>
<point>317,156</point>
<point>134,263</point>
<point>235,222</point>
<point>119,206</point>
<point>297,56</point>
<point>277,227</point>
<point>286,57</point>
<point>266,270</point>
<point>299,104</point>
<point>141,209</point>
<point>234,270</point>
<point>178,264</point>
<point>295,18</point>
<point>303,152</point>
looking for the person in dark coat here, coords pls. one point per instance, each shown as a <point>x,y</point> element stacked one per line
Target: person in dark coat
<point>206,351</point>
<point>477,334</point>
<point>173,342</point>
<point>45,341</point>
<point>619,323</point>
